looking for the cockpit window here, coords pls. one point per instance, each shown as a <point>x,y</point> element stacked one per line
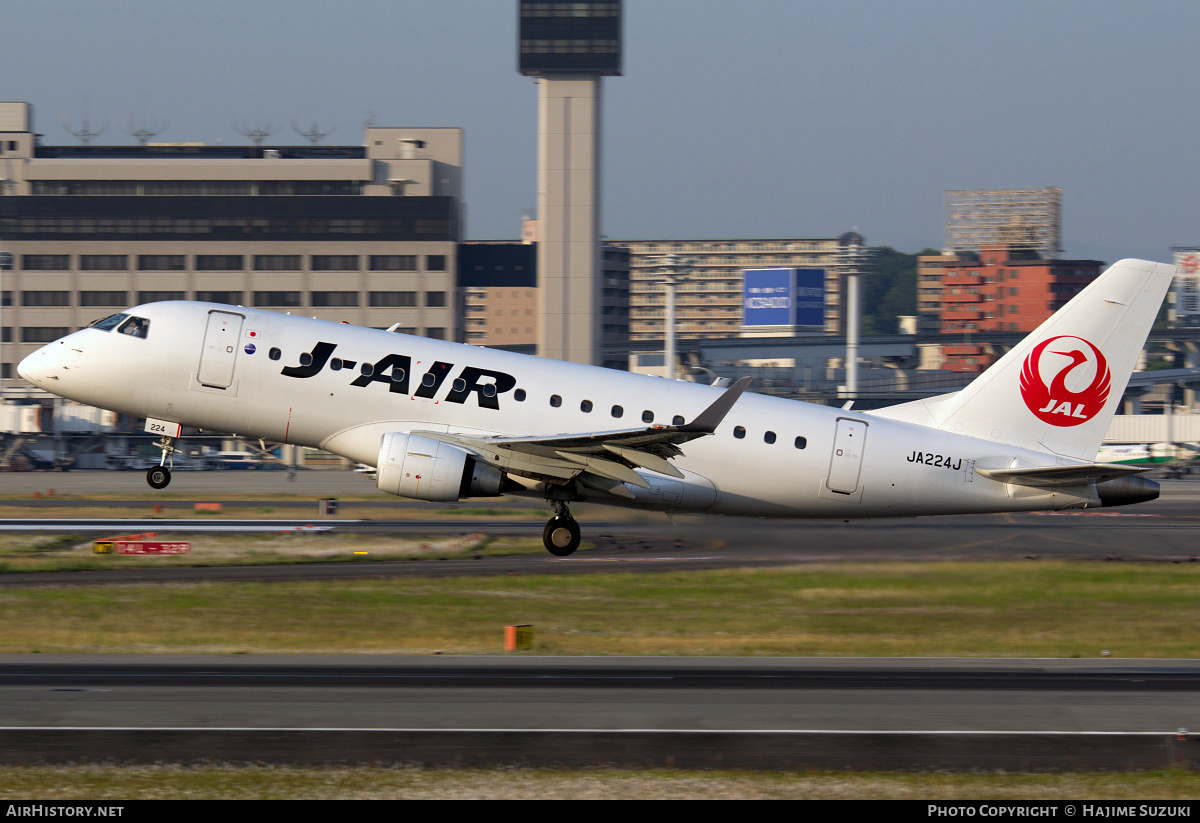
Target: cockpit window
<point>135,326</point>
<point>109,323</point>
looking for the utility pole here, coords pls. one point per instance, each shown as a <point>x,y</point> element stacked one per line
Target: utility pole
<point>674,270</point>
<point>6,264</point>
<point>853,256</point>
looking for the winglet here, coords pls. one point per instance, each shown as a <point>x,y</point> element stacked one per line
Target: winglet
<point>707,421</point>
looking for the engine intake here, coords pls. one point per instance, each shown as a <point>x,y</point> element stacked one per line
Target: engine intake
<point>422,468</point>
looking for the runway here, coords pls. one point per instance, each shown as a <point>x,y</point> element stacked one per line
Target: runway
<point>1165,530</point>
<point>1017,715</point>
<point>702,712</point>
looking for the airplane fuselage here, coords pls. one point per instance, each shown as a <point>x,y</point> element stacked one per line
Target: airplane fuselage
<point>302,381</point>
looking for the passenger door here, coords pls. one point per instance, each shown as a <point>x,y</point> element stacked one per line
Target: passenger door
<point>219,352</point>
<point>845,463</point>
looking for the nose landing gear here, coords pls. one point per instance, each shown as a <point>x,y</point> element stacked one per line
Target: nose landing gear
<point>561,535</point>
<point>159,477</point>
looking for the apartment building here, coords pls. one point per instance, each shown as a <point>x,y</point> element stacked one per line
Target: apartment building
<point>709,303</point>
<point>1004,290</point>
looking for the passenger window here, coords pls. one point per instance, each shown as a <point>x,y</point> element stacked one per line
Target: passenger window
<point>336,364</point>
<point>489,389</point>
<point>274,354</point>
<point>459,384</point>
<point>677,420</point>
<point>428,380</point>
<point>585,406</point>
<point>306,359</point>
<point>647,416</point>
<point>769,437</point>
<point>617,411</point>
<point>367,369</point>
<point>135,327</point>
<point>519,395</point>
<point>398,375</point>
<point>801,442</point>
<point>555,400</point>
<point>739,432</point>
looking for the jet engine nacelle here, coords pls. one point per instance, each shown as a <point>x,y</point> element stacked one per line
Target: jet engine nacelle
<point>1122,491</point>
<point>422,468</point>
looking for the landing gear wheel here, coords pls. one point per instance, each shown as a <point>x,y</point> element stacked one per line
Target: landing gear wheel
<point>158,477</point>
<point>561,535</point>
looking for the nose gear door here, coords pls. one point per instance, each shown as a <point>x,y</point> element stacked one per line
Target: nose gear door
<point>219,352</point>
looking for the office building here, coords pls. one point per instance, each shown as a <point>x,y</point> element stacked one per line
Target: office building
<point>498,282</point>
<point>364,234</point>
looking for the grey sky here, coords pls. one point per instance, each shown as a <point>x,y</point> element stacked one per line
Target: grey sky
<point>761,118</point>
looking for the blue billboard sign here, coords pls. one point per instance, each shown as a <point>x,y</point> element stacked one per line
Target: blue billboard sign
<point>810,297</point>
<point>783,297</point>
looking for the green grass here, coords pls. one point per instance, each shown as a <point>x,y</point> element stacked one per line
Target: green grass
<point>70,552</point>
<point>303,514</point>
<point>1000,609</point>
<point>282,782</point>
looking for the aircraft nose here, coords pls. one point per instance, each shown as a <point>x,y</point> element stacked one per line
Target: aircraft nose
<point>37,368</point>
<point>31,368</point>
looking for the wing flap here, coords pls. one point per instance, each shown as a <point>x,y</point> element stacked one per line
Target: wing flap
<point>606,468</point>
<point>645,459</point>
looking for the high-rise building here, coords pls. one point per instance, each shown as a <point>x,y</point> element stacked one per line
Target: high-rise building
<point>1021,219</point>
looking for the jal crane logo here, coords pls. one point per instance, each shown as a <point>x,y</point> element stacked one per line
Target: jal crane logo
<point>1069,399</point>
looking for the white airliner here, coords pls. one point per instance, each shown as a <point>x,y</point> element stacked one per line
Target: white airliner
<point>445,421</point>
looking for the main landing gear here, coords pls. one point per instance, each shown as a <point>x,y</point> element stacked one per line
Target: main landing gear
<point>159,477</point>
<point>561,535</point>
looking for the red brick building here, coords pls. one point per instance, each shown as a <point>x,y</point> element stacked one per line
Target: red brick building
<point>1000,293</point>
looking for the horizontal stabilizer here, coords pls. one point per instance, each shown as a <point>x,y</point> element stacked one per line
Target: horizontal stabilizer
<point>1052,476</point>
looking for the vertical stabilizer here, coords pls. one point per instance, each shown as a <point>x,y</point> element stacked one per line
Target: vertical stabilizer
<point>1058,389</point>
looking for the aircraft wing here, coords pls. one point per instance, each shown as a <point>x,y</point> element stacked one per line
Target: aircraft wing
<point>601,460</point>
<point>1051,476</point>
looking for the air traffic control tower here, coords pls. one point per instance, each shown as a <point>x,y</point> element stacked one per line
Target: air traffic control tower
<point>569,46</point>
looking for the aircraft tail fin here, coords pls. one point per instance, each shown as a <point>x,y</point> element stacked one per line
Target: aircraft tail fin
<point>1058,389</point>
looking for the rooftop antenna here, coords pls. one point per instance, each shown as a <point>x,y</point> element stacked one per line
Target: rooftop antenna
<point>258,133</point>
<point>85,133</point>
<point>144,132</point>
<point>314,133</point>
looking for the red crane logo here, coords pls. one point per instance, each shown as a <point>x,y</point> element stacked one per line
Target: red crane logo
<point>1055,403</point>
